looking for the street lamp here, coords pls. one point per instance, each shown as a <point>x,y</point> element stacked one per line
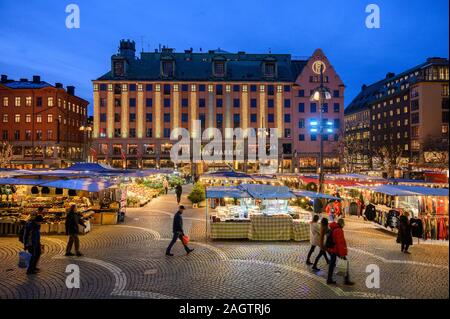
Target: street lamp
<point>85,130</point>
<point>320,95</point>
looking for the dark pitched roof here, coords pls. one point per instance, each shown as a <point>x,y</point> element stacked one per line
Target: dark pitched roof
<point>368,94</point>
<point>26,84</point>
<point>198,67</point>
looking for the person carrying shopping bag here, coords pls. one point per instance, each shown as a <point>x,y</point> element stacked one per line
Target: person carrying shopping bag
<point>178,232</point>
<point>337,247</point>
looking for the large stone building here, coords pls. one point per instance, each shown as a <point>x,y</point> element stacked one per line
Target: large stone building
<point>402,118</point>
<point>140,100</point>
<point>41,122</point>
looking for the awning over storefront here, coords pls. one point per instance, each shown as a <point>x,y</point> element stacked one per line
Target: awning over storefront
<point>302,193</point>
<point>226,191</point>
<point>425,191</point>
<point>147,172</point>
<point>84,184</point>
<point>91,167</point>
<point>226,174</point>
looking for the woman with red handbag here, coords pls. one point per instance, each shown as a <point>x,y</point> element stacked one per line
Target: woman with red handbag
<point>178,233</point>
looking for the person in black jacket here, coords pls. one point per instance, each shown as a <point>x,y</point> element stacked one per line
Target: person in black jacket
<point>32,242</point>
<point>178,191</point>
<point>404,236</point>
<point>73,219</point>
<point>178,232</point>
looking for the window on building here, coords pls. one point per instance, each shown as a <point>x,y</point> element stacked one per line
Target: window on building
<point>49,118</point>
<point>167,68</point>
<point>253,118</point>
<point>5,135</point>
<point>133,87</point>
<point>39,135</point>
<point>236,103</point>
<point>148,117</point>
<point>149,102</point>
<point>184,87</point>
<point>415,131</point>
<point>132,132</point>
<point>287,103</point>
<point>301,123</point>
<point>132,117</point>
<point>49,101</point>
<point>6,101</point>
<point>287,133</point>
<point>336,107</point>
<point>39,118</point>
<point>184,102</point>
<point>325,108</point>
<point>201,88</point>
<point>269,69</point>
<point>219,120</point>
<point>219,89</point>
<point>445,117</point>
<point>102,117</point>
<point>132,102</point>
<point>149,87</point>
<point>17,118</point>
<point>219,68</point>
<point>415,118</point>
<point>336,93</point>
<point>28,135</point>
<point>184,117</point>
<point>301,93</point>
<point>270,118</point>
<point>287,118</point>
<point>17,135</point>
<point>301,137</point>
<point>166,117</point>
<point>149,132</point>
<point>28,101</point>
<point>219,102</point>
<point>236,119</point>
<point>116,117</point>
<point>252,88</point>
<point>301,107</point>
<point>253,103</point>
<point>313,137</point>
<point>17,101</point>
<point>236,88</point>
<point>337,124</point>
<point>201,102</point>
<point>49,134</point>
<point>166,102</point>
<point>166,89</point>
<point>313,107</point>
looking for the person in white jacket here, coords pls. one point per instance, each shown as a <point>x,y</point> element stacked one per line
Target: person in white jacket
<point>314,238</point>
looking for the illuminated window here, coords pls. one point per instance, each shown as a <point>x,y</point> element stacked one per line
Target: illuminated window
<point>227,88</point>
<point>244,88</point>
<point>95,87</point>
<point>28,101</point>
<point>399,123</point>
<point>49,118</point>
<point>391,113</point>
<point>279,88</point>
<point>17,118</point>
<point>405,135</point>
<point>405,109</point>
<point>17,101</point>
<point>110,87</point>
<point>406,122</point>
<point>210,88</point>
<point>405,97</point>
<point>398,111</point>
<point>444,129</point>
<point>28,118</point>
<point>193,88</point>
<point>158,87</point>
<point>175,87</point>
<point>39,118</point>
<point>262,88</point>
<point>50,101</point>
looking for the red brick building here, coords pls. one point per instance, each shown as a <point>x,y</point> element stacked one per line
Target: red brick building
<point>140,100</point>
<point>41,122</point>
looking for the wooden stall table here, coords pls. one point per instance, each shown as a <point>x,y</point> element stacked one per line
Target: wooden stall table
<point>230,230</point>
<point>271,227</point>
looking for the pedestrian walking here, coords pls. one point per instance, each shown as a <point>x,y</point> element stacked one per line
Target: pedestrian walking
<point>404,236</point>
<point>337,247</point>
<point>32,242</point>
<point>323,251</point>
<point>178,191</point>
<point>318,206</point>
<point>314,238</point>
<point>178,232</point>
<point>330,211</point>
<point>166,185</point>
<point>73,219</point>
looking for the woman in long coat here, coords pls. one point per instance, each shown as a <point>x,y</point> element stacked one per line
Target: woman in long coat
<point>404,236</point>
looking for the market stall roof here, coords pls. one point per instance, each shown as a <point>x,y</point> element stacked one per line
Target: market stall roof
<point>226,174</point>
<point>388,190</point>
<point>425,191</point>
<point>147,172</point>
<point>20,181</point>
<point>91,167</point>
<point>267,191</point>
<point>303,193</point>
<point>84,184</point>
<point>226,191</point>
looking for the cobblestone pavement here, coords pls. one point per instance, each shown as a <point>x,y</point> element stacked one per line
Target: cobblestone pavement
<point>128,261</point>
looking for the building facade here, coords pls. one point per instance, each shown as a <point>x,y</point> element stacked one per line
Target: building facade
<point>408,117</point>
<point>41,123</point>
<point>141,100</point>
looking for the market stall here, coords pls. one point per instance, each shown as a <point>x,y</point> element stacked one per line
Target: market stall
<point>255,212</point>
<point>56,197</point>
<point>427,207</point>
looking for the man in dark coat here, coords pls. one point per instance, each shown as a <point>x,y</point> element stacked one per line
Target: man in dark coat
<point>178,232</point>
<point>404,236</point>
<point>32,242</point>
<point>318,206</point>
<point>178,191</point>
<point>73,219</point>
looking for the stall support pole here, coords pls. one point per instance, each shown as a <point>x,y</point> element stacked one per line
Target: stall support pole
<point>206,220</point>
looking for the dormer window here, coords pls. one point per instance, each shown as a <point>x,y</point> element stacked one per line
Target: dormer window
<point>219,68</point>
<point>167,68</point>
<point>269,69</point>
<point>119,68</point>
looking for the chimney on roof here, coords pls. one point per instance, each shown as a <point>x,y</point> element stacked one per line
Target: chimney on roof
<point>36,79</point>
<point>71,89</point>
<point>23,80</point>
<point>4,78</point>
<point>127,48</point>
<point>58,85</point>
<point>390,75</point>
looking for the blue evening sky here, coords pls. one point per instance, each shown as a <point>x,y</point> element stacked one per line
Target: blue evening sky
<point>34,39</point>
